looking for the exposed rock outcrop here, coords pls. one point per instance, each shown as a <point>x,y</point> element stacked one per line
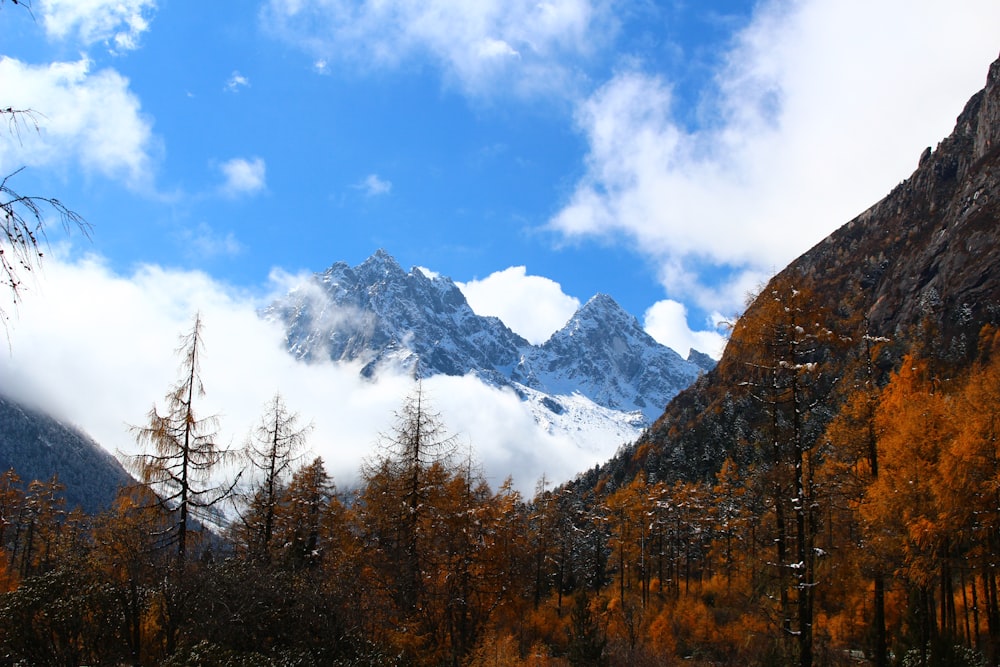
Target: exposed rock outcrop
<point>921,267</point>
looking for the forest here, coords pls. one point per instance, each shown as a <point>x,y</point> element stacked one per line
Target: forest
<point>857,523</point>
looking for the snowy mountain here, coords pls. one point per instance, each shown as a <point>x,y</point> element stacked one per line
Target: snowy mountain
<point>388,318</point>
<point>378,313</point>
<point>604,354</point>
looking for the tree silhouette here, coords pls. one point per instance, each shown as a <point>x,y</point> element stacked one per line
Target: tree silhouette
<point>184,452</point>
<point>271,450</point>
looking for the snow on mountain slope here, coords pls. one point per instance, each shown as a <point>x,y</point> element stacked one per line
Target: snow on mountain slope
<point>589,425</point>
<point>378,313</point>
<point>604,353</point>
<point>599,378</point>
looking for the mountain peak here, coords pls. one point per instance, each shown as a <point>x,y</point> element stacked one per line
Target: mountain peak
<point>601,299</point>
<point>381,262</point>
<point>700,359</point>
<point>601,312</point>
<point>601,304</point>
<point>378,312</point>
<point>615,362</point>
<point>604,304</point>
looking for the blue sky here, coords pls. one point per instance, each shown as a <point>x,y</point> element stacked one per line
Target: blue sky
<point>277,137</point>
<point>672,154</point>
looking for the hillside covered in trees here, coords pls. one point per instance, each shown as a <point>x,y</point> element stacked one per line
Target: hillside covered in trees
<point>829,494</point>
<point>879,540</point>
<point>41,447</point>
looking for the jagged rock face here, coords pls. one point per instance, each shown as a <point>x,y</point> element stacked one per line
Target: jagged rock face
<point>382,315</point>
<point>988,122</point>
<point>929,250</point>
<point>604,353</point>
<point>921,267</point>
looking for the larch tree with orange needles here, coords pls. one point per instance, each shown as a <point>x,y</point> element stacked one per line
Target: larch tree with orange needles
<point>785,341</point>
<point>915,421</point>
<point>184,452</point>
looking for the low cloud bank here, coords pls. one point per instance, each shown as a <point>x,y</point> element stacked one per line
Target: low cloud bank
<point>98,349</point>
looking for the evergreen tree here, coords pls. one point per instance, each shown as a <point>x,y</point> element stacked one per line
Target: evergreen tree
<point>300,513</point>
<point>411,469</point>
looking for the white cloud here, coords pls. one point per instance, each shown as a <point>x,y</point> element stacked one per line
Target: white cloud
<point>532,306</point>
<point>236,81</point>
<point>667,322</point>
<point>120,23</point>
<point>243,176</point>
<point>532,46</point>
<point>373,186</point>
<point>822,107</point>
<point>91,118</point>
<point>428,272</point>
<point>98,348</point>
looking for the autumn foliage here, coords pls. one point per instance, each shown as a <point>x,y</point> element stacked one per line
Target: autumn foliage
<point>864,514</point>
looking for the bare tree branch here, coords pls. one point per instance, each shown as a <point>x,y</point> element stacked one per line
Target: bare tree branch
<point>22,234</point>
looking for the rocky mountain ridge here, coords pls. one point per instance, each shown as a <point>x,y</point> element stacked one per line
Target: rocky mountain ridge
<point>386,317</point>
<point>918,269</point>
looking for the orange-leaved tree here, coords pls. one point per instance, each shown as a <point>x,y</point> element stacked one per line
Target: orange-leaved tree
<point>915,422</point>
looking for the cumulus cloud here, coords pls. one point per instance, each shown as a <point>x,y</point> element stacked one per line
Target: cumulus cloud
<point>529,44</point>
<point>91,118</point>
<point>532,306</point>
<point>667,322</point>
<point>120,23</point>
<point>815,116</point>
<point>373,186</point>
<point>98,348</point>
<point>243,176</point>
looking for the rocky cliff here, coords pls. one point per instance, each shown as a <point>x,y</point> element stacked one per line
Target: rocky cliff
<point>920,268</point>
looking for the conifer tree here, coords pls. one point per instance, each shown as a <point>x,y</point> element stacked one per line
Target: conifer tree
<point>126,554</point>
<point>784,342</point>
<point>915,418</point>
<point>37,525</point>
<point>853,466</point>
<point>271,450</point>
<point>298,521</point>
<point>11,502</point>
<point>184,451</point>
<point>586,640</point>
<point>415,455</point>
